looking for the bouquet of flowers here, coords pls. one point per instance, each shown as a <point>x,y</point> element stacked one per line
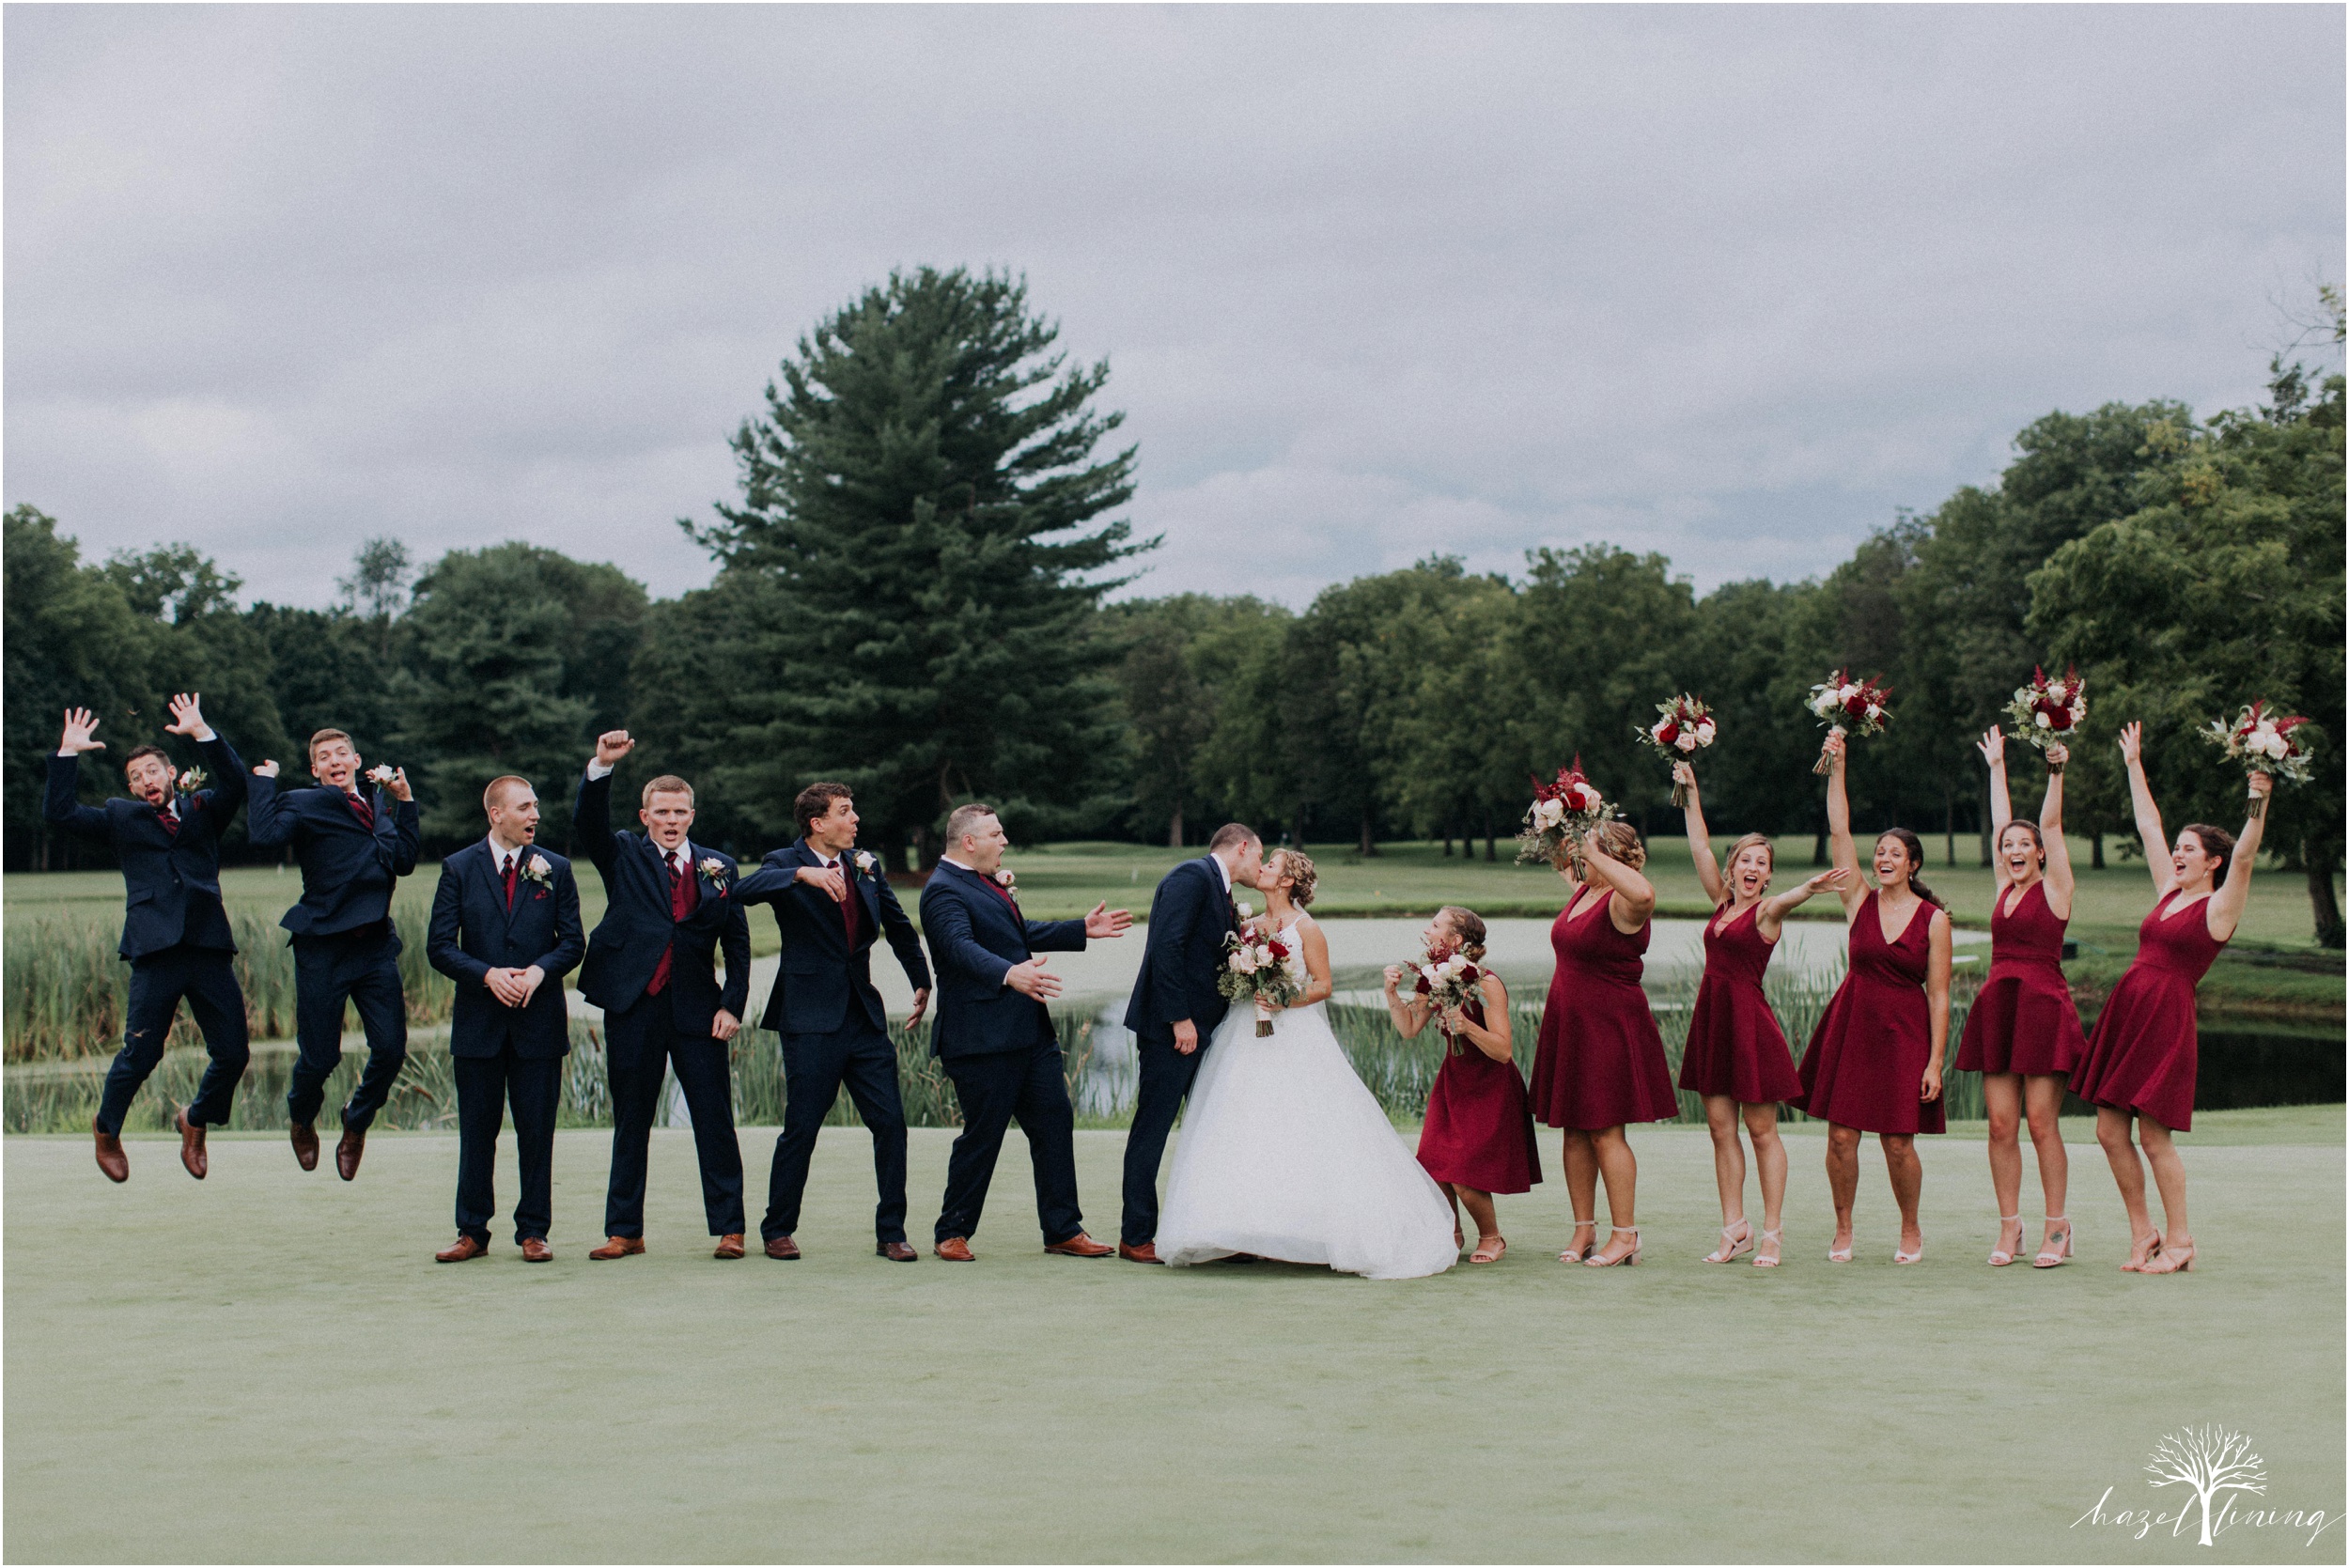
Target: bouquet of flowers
<point>1847,707</point>
<point>1684,727</point>
<point>2263,741</point>
<point>1255,968</point>
<point>1449,980</point>
<point>2048,712</point>
<point>1561,814</point>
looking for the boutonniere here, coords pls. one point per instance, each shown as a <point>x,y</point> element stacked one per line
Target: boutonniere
<point>1005,880</point>
<point>714,870</point>
<point>537,870</point>
<point>382,773</point>
<point>192,779</point>
<point>865,860</point>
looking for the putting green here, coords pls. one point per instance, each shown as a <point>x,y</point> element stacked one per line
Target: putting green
<point>267,1366</point>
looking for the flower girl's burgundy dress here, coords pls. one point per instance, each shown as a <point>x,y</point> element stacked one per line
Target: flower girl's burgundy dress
<point>1600,1062</point>
<point>1867,1059</point>
<point>2141,1056</point>
<point>1735,1044</point>
<point>1479,1132</point>
<point>2023,1021</point>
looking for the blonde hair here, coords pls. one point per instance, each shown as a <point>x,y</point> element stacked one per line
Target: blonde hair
<point>1469,927</point>
<point>667,783</point>
<point>1298,867</point>
<point>497,791</point>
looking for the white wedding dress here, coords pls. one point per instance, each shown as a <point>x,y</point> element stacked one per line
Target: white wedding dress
<point>1284,1153</point>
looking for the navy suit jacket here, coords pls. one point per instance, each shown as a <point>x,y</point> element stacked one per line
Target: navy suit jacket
<point>1190,914</point>
<point>474,932</point>
<point>637,927</point>
<point>819,977</point>
<point>974,937</point>
<point>171,880</point>
<point>348,873</point>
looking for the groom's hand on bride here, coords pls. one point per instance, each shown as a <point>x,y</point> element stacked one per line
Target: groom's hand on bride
<point>1186,1036</point>
<point>1106,922</point>
<point>1031,978</point>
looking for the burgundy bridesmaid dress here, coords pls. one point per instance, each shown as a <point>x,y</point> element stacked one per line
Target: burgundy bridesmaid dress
<point>2141,1056</point>
<point>1735,1044</point>
<point>1600,1062</point>
<point>1479,1131</point>
<point>2023,1021</point>
<point>1867,1058</point>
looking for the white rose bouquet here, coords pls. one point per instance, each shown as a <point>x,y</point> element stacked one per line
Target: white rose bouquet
<point>1848,707</point>
<point>1255,969</point>
<point>1684,727</point>
<point>1447,978</point>
<point>2262,740</point>
<point>2047,712</point>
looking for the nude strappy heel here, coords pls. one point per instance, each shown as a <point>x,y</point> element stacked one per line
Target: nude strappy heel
<point>1490,1249</point>
<point>1594,1261</point>
<point>1999,1257</point>
<point>1918,1256</point>
<point>2051,1254</point>
<point>1733,1247</point>
<point>1771,1261</point>
<point>1839,1255</point>
<point>1576,1254</point>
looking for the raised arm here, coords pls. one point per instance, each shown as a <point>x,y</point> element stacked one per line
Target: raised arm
<point>407,828</point>
<point>1771,916</point>
<point>1410,1017</point>
<point>1635,896</point>
<point>1699,842</point>
<point>591,814</point>
<point>2226,905</point>
<point>60,805</point>
<point>1844,852</point>
<point>1993,749</point>
<point>2149,828</point>
<point>1492,1038</point>
<point>2059,878</point>
<point>267,822</point>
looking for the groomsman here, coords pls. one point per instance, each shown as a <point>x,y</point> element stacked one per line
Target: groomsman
<point>994,1034</point>
<point>354,845</point>
<point>1175,1010</point>
<point>832,900</point>
<point>670,907</point>
<point>506,927</point>
<point>175,934</point>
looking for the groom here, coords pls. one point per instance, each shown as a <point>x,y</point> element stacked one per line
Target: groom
<point>1175,1008</point>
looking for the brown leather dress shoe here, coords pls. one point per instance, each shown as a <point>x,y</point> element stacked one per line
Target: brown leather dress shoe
<point>1146,1253</point>
<point>618,1247</point>
<point>1080,1246</point>
<point>466,1248</point>
<point>192,1147</point>
<point>956,1249</point>
<point>728,1247</point>
<point>111,1159</point>
<point>346,1154</point>
<point>896,1251</point>
<point>783,1250</point>
<point>534,1249</point>
<point>305,1144</point>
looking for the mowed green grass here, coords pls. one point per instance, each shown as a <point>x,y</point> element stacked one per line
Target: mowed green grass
<point>267,1366</point>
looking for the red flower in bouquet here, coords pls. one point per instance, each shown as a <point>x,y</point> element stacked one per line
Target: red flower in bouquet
<point>1848,707</point>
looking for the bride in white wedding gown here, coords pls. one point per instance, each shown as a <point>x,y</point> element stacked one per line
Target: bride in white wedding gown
<point>1284,1153</point>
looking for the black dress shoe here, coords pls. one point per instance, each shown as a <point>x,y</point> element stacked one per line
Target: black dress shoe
<point>896,1251</point>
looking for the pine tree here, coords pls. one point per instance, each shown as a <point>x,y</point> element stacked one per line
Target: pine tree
<point>921,492</point>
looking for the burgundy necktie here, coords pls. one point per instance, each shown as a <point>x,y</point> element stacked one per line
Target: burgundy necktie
<point>847,905</point>
<point>509,881</point>
<point>361,809</point>
<point>683,898</point>
<point>171,823</point>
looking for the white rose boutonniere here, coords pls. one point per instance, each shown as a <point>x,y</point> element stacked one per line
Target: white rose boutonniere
<point>865,860</point>
<point>537,870</point>
<point>714,869</point>
<point>1005,880</point>
<point>382,773</point>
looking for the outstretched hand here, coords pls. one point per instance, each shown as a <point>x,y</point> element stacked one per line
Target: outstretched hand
<point>79,724</point>
<point>1105,922</point>
<point>1828,881</point>
<point>611,746</point>
<point>1031,978</point>
<point>1992,746</point>
<point>266,770</point>
<point>187,718</point>
<point>398,786</point>
<point>2132,743</point>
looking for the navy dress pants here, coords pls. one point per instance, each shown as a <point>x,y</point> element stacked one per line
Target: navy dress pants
<point>359,969</point>
<point>485,1084</point>
<point>994,1090</point>
<point>814,1068</point>
<point>207,977</point>
<point>639,1043</point>
<point>1166,1077</point>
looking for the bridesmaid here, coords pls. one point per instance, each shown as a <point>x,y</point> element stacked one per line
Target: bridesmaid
<point>1599,1062</point>
<point>1478,1136</point>
<point>2140,1059</point>
<point>2023,1032</point>
<point>1874,1062</point>
<point>1736,1055</point>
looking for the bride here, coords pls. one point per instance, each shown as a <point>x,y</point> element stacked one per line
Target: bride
<point>1284,1153</point>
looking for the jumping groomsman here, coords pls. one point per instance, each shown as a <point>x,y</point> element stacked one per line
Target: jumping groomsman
<point>353,845</point>
<point>994,1034</point>
<point>670,907</point>
<point>506,927</point>
<point>832,900</point>
<point>175,934</point>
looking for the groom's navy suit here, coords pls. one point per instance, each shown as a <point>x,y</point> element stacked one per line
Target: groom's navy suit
<point>175,934</point>
<point>353,849</point>
<point>500,1052</point>
<point>833,1024</point>
<point>650,967</point>
<point>999,1048</point>
<point>1190,914</point>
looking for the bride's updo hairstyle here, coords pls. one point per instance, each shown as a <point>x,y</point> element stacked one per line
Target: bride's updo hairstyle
<point>1621,841</point>
<point>1467,925</point>
<point>1298,869</point>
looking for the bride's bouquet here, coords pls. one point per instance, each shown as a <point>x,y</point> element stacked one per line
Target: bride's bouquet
<point>2262,740</point>
<point>1449,980</point>
<point>1847,707</point>
<point>1561,814</point>
<point>2047,712</point>
<point>1684,727</point>
<point>1256,969</point>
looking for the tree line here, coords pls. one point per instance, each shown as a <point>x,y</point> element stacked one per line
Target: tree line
<point>916,594</point>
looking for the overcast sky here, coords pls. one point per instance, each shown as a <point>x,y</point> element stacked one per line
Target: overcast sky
<point>1729,284</point>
